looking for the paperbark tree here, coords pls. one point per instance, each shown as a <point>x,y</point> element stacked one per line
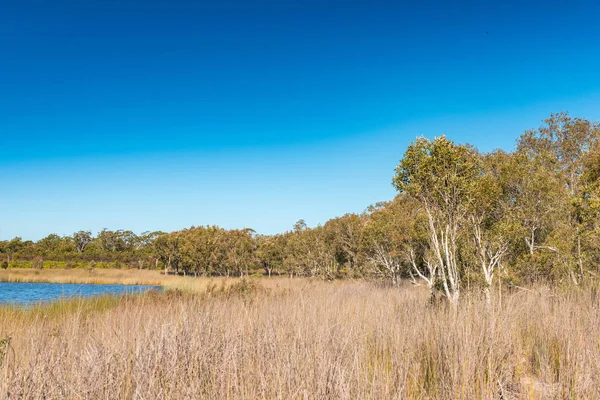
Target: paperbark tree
<point>394,240</point>
<point>490,224</point>
<point>442,177</point>
<point>81,240</point>
<point>167,248</point>
<point>561,146</point>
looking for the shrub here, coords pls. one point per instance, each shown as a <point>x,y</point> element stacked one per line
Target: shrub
<point>4,348</point>
<point>19,264</point>
<point>4,264</point>
<point>37,263</point>
<point>91,266</point>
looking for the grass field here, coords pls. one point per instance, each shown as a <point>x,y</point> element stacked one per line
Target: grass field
<point>111,276</point>
<point>280,338</point>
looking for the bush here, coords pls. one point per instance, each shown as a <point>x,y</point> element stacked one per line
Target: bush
<point>4,264</point>
<point>70,265</point>
<point>117,265</point>
<point>37,263</point>
<point>243,288</point>
<point>19,264</point>
<point>91,267</point>
<point>4,346</point>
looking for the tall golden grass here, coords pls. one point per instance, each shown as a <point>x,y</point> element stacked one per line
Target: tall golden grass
<point>112,276</point>
<point>305,339</point>
<point>82,276</point>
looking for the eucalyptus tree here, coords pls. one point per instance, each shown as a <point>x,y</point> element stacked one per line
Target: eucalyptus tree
<point>271,251</point>
<point>54,246</point>
<point>394,240</point>
<point>310,252</point>
<point>194,251</point>
<point>562,144</point>
<point>559,149</point>
<point>491,225</point>
<point>442,176</point>
<point>324,260</point>
<point>11,247</point>
<point>239,250</point>
<point>168,249</point>
<point>344,236</point>
<point>588,207</point>
<point>299,252</point>
<point>81,239</point>
<point>111,241</point>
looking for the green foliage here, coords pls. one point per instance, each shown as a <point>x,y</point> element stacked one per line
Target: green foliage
<point>440,173</point>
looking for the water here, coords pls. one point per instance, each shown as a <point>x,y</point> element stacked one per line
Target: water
<point>27,293</point>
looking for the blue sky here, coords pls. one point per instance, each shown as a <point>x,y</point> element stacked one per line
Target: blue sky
<point>158,115</point>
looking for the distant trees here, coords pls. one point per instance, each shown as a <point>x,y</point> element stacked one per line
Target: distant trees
<point>117,241</point>
<point>112,248</point>
<point>81,239</point>
<point>271,252</point>
<point>9,248</point>
<point>207,251</point>
<point>168,250</point>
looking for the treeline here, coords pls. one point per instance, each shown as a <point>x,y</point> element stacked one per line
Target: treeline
<point>461,219</point>
<point>120,249</point>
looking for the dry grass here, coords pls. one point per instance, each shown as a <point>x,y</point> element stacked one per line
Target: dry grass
<point>111,276</point>
<point>304,339</point>
<point>83,276</point>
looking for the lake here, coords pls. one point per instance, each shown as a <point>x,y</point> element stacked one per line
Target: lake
<point>26,293</point>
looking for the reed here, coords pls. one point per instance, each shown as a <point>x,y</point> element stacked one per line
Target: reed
<point>304,339</point>
<point>82,276</point>
<point>99,276</point>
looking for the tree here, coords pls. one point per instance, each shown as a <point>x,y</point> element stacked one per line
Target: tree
<point>117,241</point>
<point>345,236</point>
<point>270,252</point>
<point>561,146</point>
<point>167,249</point>
<point>310,252</point>
<point>541,210</point>
<point>489,223</point>
<point>81,240</point>
<point>394,242</point>
<point>11,247</point>
<point>53,246</point>
<point>442,177</point>
<point>239,250</point>
<point>588,210</point>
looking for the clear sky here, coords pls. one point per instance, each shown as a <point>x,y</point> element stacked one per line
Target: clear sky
<point>162,114</point>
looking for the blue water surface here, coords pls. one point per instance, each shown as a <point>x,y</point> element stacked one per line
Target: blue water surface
<point>27,293</point>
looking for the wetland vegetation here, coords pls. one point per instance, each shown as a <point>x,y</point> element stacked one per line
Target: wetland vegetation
<point>479,280</point>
